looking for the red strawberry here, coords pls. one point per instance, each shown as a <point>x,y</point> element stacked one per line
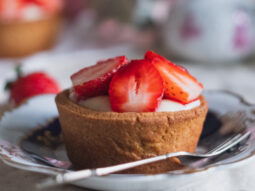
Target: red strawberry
<point>31,85</point>
<point>94,80</point>
<point>179,84</point>
<point>137,87</point>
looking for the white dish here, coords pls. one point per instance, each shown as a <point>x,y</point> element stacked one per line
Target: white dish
<point>17,123</point>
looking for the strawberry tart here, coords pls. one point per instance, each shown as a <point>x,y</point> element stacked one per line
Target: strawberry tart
<point>120,111</point>
<point>28,26</point>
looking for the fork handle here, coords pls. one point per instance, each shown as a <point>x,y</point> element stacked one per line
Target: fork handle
<point>83,174</point>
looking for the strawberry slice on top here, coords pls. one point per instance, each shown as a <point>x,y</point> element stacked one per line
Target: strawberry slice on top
<point>136,87</point>
<point>179,84</point>
<point>94,80</point>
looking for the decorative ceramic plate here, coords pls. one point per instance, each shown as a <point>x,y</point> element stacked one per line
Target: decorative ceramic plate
<point>30,139</point>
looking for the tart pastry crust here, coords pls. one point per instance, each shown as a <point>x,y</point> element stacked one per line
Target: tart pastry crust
<point>21,38</point>
<point>96,139</point>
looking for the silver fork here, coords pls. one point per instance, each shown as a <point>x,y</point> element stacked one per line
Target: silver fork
<point>82,174</point>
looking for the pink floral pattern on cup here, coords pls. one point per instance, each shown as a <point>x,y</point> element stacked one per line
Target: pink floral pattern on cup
<point>189,28</point>
<point>242,35</point>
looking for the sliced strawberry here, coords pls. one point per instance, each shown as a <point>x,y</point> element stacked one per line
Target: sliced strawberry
<point>179,84</point>
<point>94,80</point>
<point>137,87</point>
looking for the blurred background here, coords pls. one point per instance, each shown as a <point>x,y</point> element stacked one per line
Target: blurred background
<point>214,40</point>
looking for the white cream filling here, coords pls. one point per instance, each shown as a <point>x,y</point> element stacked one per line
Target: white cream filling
<point>102,103</point>
<point>172,106</point>
<point>99,103</point>
<point>32,13</point>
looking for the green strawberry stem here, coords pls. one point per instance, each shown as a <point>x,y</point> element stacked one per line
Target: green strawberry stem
<point>18,72</point>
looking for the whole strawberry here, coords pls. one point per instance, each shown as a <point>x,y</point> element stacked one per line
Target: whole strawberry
<point>31,85</point>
